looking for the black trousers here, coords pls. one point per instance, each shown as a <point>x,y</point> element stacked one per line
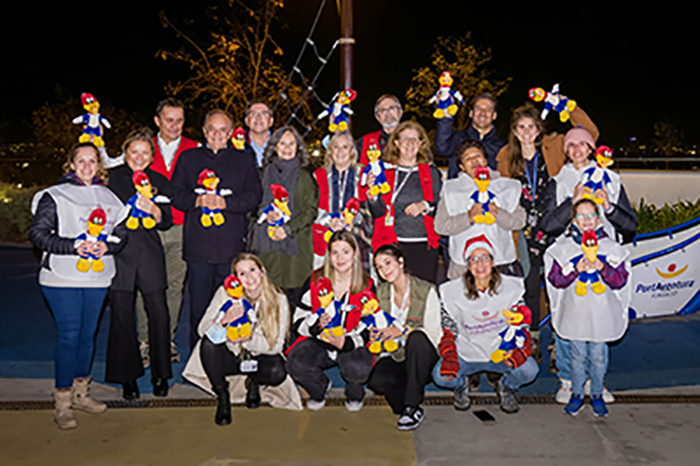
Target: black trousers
<point>421,262</point>
<point>202,280</point>
<point>123,356</point>
<point>403,383</point>
<point>219,362</point>
<point>309,358</point>
<point>533,289</point>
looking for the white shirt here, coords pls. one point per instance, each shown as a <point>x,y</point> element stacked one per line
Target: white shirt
<point>168,150</point>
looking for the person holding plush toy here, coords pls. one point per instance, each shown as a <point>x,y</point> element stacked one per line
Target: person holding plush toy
<point>252,368</point>
<point>80,201</point>
<point>405,214</point>
<point>140,266</point>
<point>287,253</point>
<point>588,280</point>
<point>338,202</point>
<point>616,216</point>
<point>478,310</point>
<point>317,347</point>
<point>401,376</point>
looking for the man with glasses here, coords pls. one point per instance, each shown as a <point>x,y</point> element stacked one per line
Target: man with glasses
<point>481,128</point>
<point>210,248</point>
<point>259,119</point>
<point>388,112</point>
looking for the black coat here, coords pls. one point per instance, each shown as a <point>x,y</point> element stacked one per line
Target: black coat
<point>447,139</point>
<point>237,172</point>
<point>143,256</point>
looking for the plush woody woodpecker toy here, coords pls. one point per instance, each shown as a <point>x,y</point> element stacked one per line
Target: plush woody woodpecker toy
<point>597,177</point>
<point>553,101</point>
<point>279,204</point>
<point>143,188</point>
<point>482,196</point>
<point>589,246</point>
<point>95,224</point>
<point>352,208</point>
<point>445,97</point>
<point>375,318</point>
<point>238,138</point>
<point>377,168</point>
<point>207,184</point>
<point>516,345</point>
<point>337,117</point>
<point>330,306</point>
<point>241,328</point>
<point>91,121</point>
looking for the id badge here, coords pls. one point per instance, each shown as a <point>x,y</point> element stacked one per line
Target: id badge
<point>389,219</point>
<point>217,334</point>
<point>249,365</point>
<point>532,220</point>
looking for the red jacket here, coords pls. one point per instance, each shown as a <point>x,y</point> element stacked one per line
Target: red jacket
<point>159,166</point>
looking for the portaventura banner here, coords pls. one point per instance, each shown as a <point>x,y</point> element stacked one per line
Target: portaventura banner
<point>665,271</point>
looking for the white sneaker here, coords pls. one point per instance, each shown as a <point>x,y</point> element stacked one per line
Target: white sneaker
<point>564,393</point>
<point>353,406</point>
<point>607,396</point>
<point>314,405</point>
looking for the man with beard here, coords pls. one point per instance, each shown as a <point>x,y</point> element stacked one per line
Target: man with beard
<point>388,112</point>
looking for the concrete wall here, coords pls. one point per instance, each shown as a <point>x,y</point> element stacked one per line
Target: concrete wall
<point>660,187</point>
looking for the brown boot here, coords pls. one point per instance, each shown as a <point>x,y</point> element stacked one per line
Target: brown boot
<point>63,414</point>
<point>81,398</point>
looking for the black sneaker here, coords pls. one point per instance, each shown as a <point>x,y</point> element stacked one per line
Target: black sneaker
<point>411,418</point>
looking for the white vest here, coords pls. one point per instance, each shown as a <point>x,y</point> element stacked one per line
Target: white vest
<point>480,321</point>
<point>457,192</point>
<point>569,177</point>
<point>74,204</point>
<point>593,317</point>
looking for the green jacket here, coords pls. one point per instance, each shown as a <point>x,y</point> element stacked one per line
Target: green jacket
<point>292,271</point>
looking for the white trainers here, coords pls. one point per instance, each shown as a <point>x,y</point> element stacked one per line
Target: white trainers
<point>564,393</point>
<point>353,406</point>
<point>314,405</point>
<point>607,396</point>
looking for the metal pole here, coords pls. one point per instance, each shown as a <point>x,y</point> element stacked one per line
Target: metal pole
<point>347,41</point>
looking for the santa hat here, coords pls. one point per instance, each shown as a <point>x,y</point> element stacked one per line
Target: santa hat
<point>279,192</point>
<point>477,242</point>
<point>140,178</point>
<point>98,216</point>
<point>86,98</point>
<point>206,173</point>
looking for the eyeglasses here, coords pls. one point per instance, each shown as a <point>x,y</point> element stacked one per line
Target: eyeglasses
<point>409,141</point>
<point>262,114</point>
<point>384,111</point>
<point>483,257</point>
<point>586,216</point>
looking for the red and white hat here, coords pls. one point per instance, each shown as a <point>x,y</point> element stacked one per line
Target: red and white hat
<point>477,242</point>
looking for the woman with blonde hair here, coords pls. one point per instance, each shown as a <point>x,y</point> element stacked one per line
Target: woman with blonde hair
<point>405,215</point>
<point>315,350</point>
<point>258,357</point>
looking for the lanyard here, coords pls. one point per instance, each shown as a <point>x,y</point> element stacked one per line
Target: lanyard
<point>399,315</point>
<point>396,192</point>
<point>532,179</point>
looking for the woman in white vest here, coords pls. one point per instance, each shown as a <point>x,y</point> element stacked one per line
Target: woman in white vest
<point>401,376</point>
<point>74,225</point>
<point>616,216</point>
<point>485,329</point>
<point>236,371</point>
<point>589,286</point>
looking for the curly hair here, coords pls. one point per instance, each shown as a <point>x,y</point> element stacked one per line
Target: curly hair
<point>271,148</point>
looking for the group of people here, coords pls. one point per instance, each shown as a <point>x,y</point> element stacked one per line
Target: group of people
<point>326,270</point>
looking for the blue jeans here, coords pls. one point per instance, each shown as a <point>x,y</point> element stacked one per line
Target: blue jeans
<point>588,360</point>
<point>76,312</point>
<point>564,358</point>
<point>513,379</point>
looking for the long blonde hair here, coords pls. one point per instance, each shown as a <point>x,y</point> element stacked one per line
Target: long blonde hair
<point>359,278</point>
<point>269,308</point>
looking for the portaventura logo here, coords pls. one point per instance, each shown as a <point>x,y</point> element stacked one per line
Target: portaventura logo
<point>672,271</point>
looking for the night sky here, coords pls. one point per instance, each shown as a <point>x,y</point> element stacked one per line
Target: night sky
<point>627,69</point>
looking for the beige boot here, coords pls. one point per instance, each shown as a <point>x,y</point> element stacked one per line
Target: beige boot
<point>81,399</point>
<point>63,414</point>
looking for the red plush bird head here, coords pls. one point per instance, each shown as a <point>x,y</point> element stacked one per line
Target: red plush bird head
<point>208,179</point>
<point>279,192</point>
<point>233,286</point>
